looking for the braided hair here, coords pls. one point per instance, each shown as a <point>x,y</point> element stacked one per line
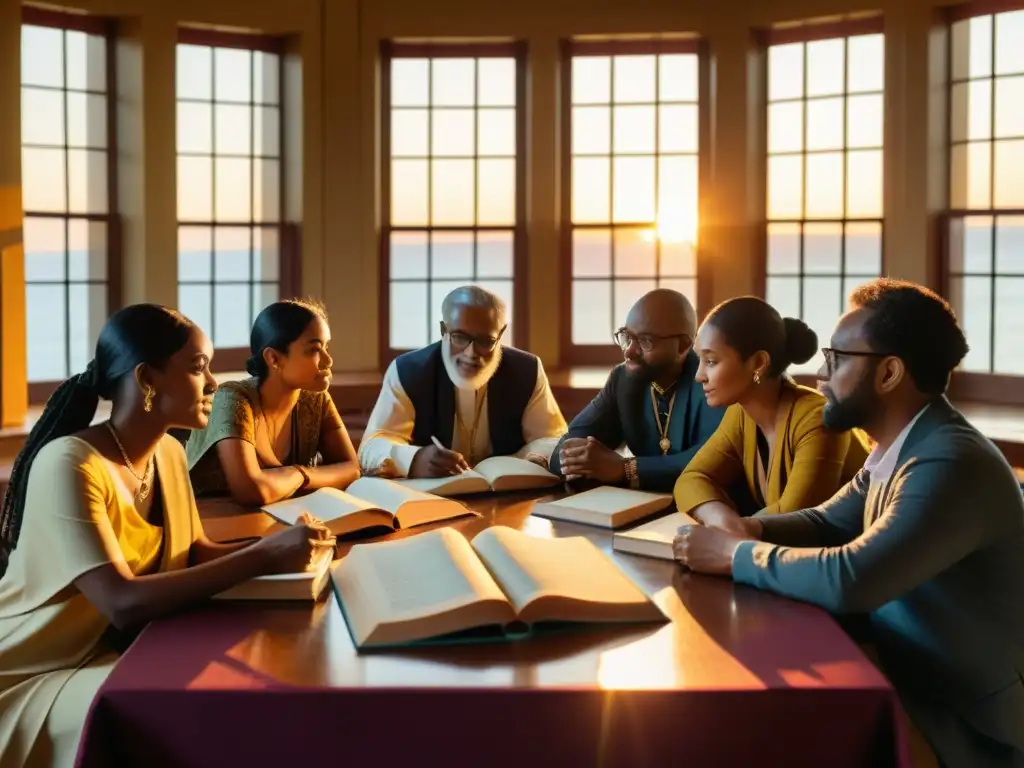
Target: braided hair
<point>138,334</point>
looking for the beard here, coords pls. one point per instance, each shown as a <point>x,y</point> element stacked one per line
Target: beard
<point>478,379</point>
<point>852,412</point>
<point>645,373</point>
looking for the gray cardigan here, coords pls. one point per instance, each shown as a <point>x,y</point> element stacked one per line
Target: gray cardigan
<point>936,558</point>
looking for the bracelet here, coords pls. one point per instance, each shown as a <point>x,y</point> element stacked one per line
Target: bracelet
<point>305,477</point>
<point>631,476</point>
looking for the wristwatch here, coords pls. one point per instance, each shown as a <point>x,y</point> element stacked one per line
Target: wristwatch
<point>632,479</point>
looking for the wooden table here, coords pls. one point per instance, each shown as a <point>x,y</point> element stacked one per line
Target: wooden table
<point>739,677</point>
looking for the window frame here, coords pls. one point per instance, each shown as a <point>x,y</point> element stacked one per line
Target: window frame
<point>808,32</point>
<point>233,359</point>
<point>979,386</point>
<point>100,26</point>
<point>396,49</point>
<point>573,354</point>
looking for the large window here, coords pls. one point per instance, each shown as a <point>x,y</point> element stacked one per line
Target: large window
<point>824,206</point>
<point>452,187</point>
<point>633,130</point>
<point>67,146</point>
<point>229,181</point>
<point>985,257</point>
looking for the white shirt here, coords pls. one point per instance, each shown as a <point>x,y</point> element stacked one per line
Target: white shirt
<point>882,465</point>
<point>385,447</point>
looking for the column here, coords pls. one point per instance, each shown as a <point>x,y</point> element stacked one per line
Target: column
<point>916,151</point>
<point>544,278</point>
<point>732,168</point>
<point>147,158</point>
<point>13,358</point>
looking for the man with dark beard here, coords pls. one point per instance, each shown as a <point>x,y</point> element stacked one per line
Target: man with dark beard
<point>444,408</point>
<point>650,403</point>
<point>928,539</point>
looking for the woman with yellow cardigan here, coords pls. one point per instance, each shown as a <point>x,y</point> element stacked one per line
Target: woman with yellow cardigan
<point>771,451</point>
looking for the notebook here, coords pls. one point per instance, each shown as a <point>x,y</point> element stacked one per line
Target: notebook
<point>653,539</point>
<point>505,585</point>
<point>307,585</point>
<point>370,502</point>
<point>605,506</point>
<point>497,473</point>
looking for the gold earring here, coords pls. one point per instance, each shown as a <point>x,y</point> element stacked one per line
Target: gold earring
<point>147,400</point>
<point>757,377</point>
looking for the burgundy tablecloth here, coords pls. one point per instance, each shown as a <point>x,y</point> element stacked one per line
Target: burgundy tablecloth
<point>182,697</point>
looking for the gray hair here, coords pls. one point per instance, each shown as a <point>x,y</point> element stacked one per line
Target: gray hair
<point>472,296</point>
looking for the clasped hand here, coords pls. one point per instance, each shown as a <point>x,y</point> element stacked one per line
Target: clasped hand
<point>709,548</point>
<point>295,548</point>
<point>588,457</point>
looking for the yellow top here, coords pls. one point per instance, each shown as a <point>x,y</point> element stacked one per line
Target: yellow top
<point>53,657</point>
<point>807,465</point>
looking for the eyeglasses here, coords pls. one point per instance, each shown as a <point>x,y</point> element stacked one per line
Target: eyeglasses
<point>832,355</point>
<point>484,344</point>
<point>646,341</point>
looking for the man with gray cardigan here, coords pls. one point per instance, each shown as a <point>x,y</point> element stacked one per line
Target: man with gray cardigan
<point>928,539</point>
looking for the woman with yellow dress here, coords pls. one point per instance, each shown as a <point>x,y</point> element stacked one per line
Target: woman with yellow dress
<point>771,453</point>
<point>100,532</point>
<point>278,432</point>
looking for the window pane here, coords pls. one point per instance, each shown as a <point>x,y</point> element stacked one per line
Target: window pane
<point>678,128</point>
<point>87,61</point>
<point>234,189</point>
<point>784,249</point>
<point>195,189</point>
<point>195,72</point>
<point>263,295</point>
<point>87,250</point>
<point>87,312</point>
<point>864,121</point>
<point>866,59</point>
<point>1009,320</point>
<point>825,70</point>
<point>634,78</point>
<point>678,258</point>
<point>864,184</point>
<point>823,303</point>
<point>1009,174</point>
<point>495,256</point>
<point>592,312</point>
<point>42,56</point>
<point>453,132</point>
<point>677,77</point>
<point>87,181</point>
<point>590,189</point>
<point>972,48</point>
<point>496,84</point>
<point>452,192</point>
<point>409,315</point>
<point>496,191</point>
<point>677,199</point>
<point>232,69</point>
<point>591,130</point>
<point>42,117</point>
<point>634,189</point>
<point>786,71</point>
<point>266,254</point>
<point>196,303</point>
<point>195,127</point>
<point>43,181</point>
<point>410,82</point>
<point>864,248</point>
<point>971,110</point>
<point>825,124</point>
<point>409,255</point>
<point>635,253</point>
<point>45,244</point>
<point>785,187</point>
<point>452,256</point>
<point>231,257</point>
<point>1009,107</point>
<point>786,127</point>
<point>410,135</point>
<point>234,129</point>
<point>267,190</point>
<point>453,82</point>
<point>231,315</point>
<point>971,297</point>
<point>409,195</point>
<point>626,294</point>
<point>266,78</point>
<point>591,252</point>
<point>267,128</point>
<point>46,331</point>
<point>1009,42</point>
<point>970,175</point>
<point>971,244</point>
<point>634,130</point>
<point>496,132</point>
<point>591,80</point>
<point>195,248</point>
<point>1010,246</point>
<point>783,293</point>
<point>87,120</point>
<point>825,186</point>
<point>823,247</point>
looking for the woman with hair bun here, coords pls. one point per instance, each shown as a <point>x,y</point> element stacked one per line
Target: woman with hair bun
<point>278,432</point>
<point>99,529</point>
<point>771,451</point>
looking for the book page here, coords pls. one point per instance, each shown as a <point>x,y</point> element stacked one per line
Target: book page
<point>467,482</point>
<point>415,588</point>
<point>511,473</point>
<point>325,504</point>
<point>572,570</point>
<point>387,494</point>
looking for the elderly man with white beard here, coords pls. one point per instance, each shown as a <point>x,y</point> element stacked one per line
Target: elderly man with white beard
<point>444,408</point>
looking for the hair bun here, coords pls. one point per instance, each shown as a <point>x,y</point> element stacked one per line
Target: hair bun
<point>801,341</point>
<point>253,366</point>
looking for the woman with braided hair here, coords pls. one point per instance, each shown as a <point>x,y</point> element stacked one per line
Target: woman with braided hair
<point>100,530</point>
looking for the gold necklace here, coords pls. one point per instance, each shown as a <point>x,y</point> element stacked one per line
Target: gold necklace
<point>664,443</point>
<point>145,484</point>
<point>476,423</point>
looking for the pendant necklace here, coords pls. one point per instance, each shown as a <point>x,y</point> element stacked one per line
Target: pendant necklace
<point>145,480</point>
<point>664,443</point>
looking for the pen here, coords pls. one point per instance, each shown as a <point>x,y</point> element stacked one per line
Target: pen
<point>439,444</point>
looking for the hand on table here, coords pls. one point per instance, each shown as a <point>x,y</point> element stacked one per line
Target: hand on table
<point>295,548</point>
<point>436,461</point>
<point>704,549</point>
<point>588,457</point>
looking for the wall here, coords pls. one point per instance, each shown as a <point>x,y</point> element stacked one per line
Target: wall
<point>333,58</point>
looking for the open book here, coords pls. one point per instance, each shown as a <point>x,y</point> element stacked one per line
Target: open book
<point>653,539</point>
<point>605,506</point>
<point>497,473</point>
<point>370,502</point>
<point>437,586</point>
<point>307,585</point>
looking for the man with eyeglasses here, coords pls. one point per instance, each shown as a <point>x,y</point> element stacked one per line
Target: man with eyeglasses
<point>650,403</point>
<point>927,539</point>
<point>446,407</point>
